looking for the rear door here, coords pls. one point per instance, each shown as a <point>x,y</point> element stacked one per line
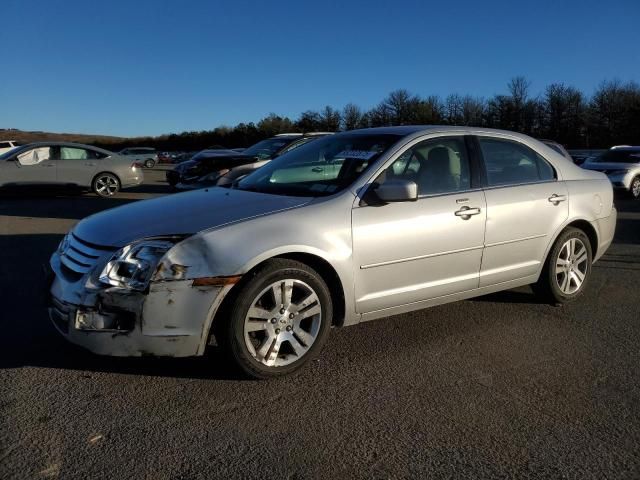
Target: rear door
<point>526,204</point>
<point>31,166</point>
<point>76,165</point>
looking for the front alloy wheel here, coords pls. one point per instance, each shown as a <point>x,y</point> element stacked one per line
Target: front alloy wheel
<point>283,323</point>
<point>279,320</point>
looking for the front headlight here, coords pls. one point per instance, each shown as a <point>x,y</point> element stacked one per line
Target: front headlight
<point>132,266</point>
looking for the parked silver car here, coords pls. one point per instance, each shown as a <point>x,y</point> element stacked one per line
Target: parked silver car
<point>622,166</point>
<point>145,156</point>
<point>348,228</point>
<point>69,164</point>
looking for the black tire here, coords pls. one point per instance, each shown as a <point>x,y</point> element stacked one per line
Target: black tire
<point>230,332</point>
<point>149,163</point>
<point>105,185</point>
<point>548,286</point>
<point>634,190</point>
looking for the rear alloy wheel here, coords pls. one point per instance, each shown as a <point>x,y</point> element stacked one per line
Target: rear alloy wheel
<point>149,163</point>
<point>280,320</point>
<point>567,268</point>
<point>106,185</point>
<point>635,188</point>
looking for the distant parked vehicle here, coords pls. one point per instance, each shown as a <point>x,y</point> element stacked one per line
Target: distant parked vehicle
<point>222,167</point>
<point>147,156</point>
<point>69,164</point>
<point>7,145</point>
<point>622,165</point>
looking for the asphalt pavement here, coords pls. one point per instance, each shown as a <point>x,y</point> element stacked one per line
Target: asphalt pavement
<point>499,386</point>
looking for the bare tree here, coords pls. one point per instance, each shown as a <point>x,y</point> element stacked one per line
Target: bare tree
<point>329,119</point>
<point>454,109</point>
<point>352,117</point>
<point>309,121</point>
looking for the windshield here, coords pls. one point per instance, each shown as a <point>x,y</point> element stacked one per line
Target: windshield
<point>268,148</point>
<point>619,156</point>
<point>319,168</point>
<point>11,152</point>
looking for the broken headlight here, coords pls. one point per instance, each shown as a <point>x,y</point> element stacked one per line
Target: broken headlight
<point>132,266</point>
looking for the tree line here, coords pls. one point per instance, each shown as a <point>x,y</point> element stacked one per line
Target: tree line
<point>610,116</point>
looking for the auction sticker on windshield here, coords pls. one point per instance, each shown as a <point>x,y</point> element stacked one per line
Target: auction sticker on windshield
<point>358,154</point>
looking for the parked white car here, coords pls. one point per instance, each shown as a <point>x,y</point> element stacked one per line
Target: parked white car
<point>8,145</point>
<point>146,156</point>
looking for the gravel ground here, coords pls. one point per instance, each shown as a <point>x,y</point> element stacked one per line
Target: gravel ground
<point>499,386</point>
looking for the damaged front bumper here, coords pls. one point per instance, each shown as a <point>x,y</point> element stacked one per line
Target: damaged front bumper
<point>172,319</point>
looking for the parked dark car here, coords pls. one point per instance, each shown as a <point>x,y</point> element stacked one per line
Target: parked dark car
<point>204,168</point>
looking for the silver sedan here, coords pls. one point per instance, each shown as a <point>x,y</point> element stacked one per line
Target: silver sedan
<point>349,228</point>
<point>69,164</point>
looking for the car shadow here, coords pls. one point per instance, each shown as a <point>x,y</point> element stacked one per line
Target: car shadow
<point>522,295</point>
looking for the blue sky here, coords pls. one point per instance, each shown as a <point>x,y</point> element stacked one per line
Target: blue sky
<point>140,67</point>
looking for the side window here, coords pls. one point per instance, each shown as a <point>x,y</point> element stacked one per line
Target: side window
<point>511,163</point>
<point>72,153</point>
<point>34,156</point>
<point>437,166</point>
<point>93,154</point>
<point>5,145</point>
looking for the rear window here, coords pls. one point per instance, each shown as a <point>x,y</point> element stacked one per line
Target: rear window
<point>512,163</point>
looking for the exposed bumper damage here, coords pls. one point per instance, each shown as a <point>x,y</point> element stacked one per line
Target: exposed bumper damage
<point>171,319</point>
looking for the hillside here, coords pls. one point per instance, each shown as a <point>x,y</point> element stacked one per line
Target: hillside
<point>29,137</point>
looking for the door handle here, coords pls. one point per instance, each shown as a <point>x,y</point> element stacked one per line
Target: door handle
<point>556,199</point>
<point>48,164</point>
<point>90,164</point>
<point>466,212</point>
<point>317,169</point>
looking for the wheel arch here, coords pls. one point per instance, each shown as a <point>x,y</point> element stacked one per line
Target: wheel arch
<point>589,231</point>
<point>326,271</point>
<point>581,224</point>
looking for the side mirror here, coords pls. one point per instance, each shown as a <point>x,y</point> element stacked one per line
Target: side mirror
<point>397,191</point>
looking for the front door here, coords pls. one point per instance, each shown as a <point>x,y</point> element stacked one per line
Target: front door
<point>407,252</point>
<point>31,166</point>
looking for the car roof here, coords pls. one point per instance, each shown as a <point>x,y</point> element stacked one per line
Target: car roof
<point>625,148</point>
<point>63,144</point>
<point>406,130</point>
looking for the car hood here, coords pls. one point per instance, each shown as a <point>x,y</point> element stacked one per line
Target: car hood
<point>600,166</point>
<point>179,214</point>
